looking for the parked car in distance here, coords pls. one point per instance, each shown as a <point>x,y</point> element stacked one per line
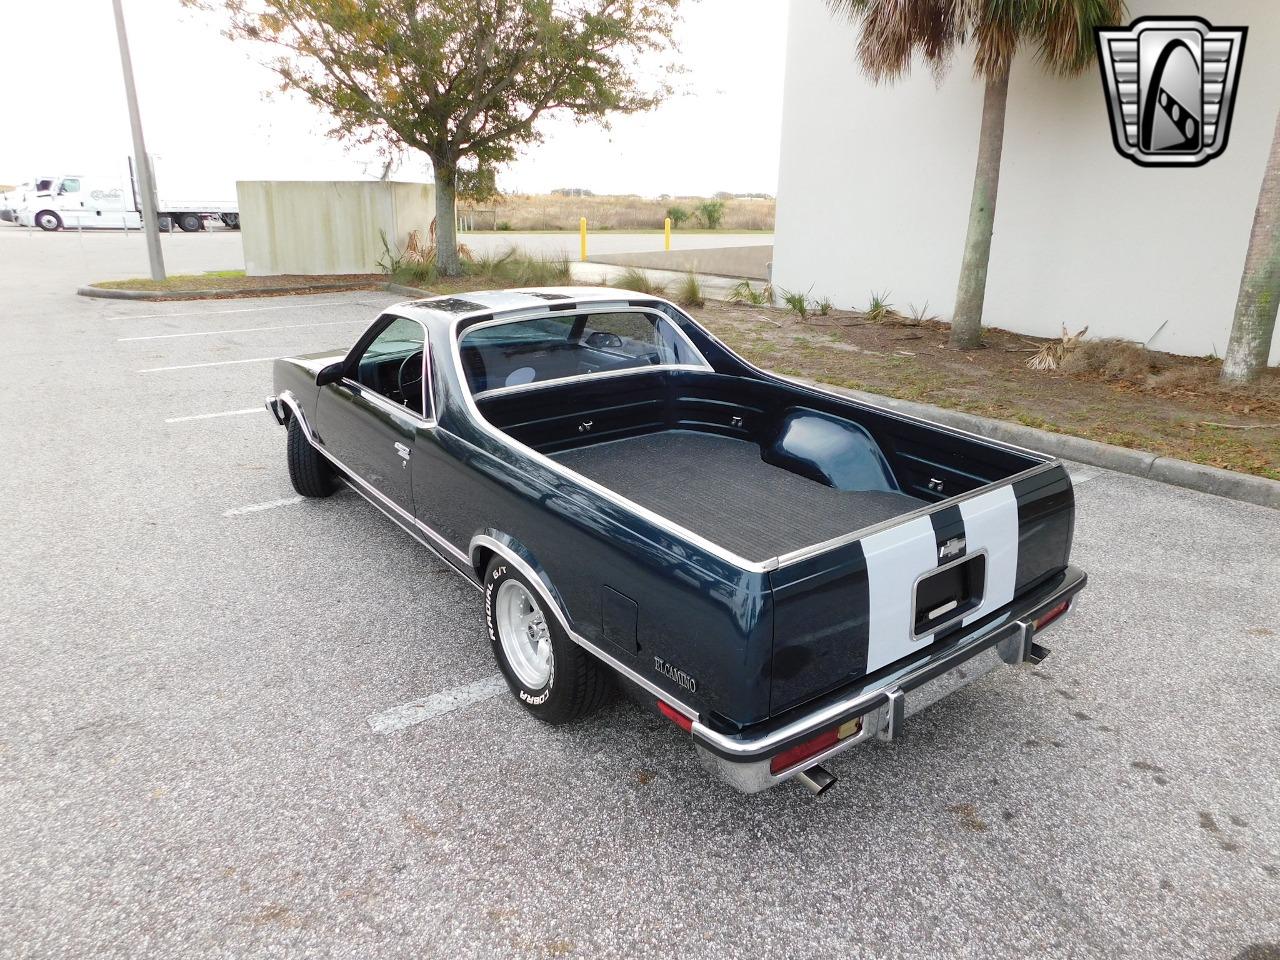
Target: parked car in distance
<point>781,571</point>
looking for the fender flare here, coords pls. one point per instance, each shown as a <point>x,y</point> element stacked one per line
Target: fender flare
<point>520,557</point>
<point>287,399</point>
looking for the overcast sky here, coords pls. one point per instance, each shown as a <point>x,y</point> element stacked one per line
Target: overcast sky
<point>207,120</point>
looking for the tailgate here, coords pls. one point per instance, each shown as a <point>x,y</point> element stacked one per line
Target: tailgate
<point>858,607</point>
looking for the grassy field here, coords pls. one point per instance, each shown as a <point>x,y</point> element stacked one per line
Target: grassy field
<point>520,212</point>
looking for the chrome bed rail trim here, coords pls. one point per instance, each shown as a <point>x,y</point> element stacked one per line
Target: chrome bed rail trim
<point>697,540</point>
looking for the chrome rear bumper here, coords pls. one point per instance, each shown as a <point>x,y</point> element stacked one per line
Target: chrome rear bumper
<point>744,760</point>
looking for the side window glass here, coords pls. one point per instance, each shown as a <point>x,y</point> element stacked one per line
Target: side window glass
<point>394,365</point>
<point>70,186</point>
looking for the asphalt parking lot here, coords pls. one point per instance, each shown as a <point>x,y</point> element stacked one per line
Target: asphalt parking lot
<point>201,752</point>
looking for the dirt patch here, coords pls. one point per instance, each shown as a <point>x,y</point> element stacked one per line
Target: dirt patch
<point>1107,390</point>
<point>234,283</point>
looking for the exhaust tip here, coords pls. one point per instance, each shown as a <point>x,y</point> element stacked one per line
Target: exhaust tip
<point>817,779</point>
<point>1036,653</point>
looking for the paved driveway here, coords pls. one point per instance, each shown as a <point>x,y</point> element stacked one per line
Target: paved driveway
<point>190,658</point>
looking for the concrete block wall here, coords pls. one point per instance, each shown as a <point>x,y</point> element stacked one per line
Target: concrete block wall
<point>327,226</point>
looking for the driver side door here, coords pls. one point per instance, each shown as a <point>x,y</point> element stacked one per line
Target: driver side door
<point>369,420</point>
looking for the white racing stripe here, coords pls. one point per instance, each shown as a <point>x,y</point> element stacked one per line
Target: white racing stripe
<point>895,558</point>
<point>214,333</point>
<point>428,708</point>
<point>991,521</point>
<point>213,416</point>
<point>214,363</point>
<point>258,507</point>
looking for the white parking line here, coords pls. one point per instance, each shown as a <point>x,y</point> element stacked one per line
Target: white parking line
<point>428,708</point>
<point>214,333</point>
<point>211,416</point>
<point>216,313</point>
<point>215,363</point>
<point>256,507</point>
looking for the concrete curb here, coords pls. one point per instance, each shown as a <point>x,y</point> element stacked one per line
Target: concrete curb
<point>1179,473</point>
<point>105,293</point>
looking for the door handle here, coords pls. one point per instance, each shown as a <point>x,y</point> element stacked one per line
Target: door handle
<point>403,450</point>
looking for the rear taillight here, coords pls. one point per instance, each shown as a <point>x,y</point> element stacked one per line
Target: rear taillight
<point>803,751</point>
<point>1050,615</point>
<point>675,716</point>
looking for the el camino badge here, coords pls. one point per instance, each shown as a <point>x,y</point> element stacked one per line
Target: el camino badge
<point>679,676</point>
<point>952,548</point>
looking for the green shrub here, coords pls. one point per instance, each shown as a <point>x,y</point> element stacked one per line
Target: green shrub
<point>797,303</point>
<point>745,293</point>
<point>679,215</point>
<point>640,282</point>
<point>711,213</point>
<point>513,269</point>
<point>689,292</point>
<point>880,309</point>
<point>504,225</point>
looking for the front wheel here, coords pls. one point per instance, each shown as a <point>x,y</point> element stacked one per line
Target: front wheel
<point>556,680</point>
<point>311,474</point>
<point>48,221</point>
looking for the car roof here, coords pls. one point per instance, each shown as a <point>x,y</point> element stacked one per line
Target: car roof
<point>462,306</point>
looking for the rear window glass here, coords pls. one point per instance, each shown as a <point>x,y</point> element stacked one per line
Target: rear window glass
<point>554,347</point>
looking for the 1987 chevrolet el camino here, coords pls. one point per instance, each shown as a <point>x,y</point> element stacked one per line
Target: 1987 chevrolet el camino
<point>780,571</point>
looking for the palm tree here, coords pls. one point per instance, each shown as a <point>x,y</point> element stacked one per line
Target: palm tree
<point>1255,320</point>
<point>894,31</point>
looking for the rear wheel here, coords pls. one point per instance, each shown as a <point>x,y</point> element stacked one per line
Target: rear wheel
<point>311,474</point>
<point>190,222</point>
<point>48,220</point>
<point>556,680</point>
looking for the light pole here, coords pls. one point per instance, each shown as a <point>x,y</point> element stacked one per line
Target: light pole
<point>146,182</point>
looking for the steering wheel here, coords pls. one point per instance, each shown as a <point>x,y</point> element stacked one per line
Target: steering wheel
<point>413,365</point>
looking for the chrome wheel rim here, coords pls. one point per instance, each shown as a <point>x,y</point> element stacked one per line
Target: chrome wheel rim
<point>523,632</point>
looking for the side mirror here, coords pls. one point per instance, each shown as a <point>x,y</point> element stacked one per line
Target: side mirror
<point>330,374</point>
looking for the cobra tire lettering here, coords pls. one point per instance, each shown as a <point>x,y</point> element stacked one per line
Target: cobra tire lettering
<point>494,577</point>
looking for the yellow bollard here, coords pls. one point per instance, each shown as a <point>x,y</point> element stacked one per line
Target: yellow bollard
<point>582,235</point>
<point>666,234</point>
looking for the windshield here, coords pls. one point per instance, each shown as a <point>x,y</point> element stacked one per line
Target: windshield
<point>554,347</point>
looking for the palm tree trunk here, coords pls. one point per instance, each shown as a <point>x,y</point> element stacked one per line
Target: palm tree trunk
<point>966,323</point>
<point>447,261</point>
<point>1255,320</point>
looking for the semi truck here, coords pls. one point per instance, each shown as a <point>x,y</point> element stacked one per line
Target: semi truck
<point>72,200</point>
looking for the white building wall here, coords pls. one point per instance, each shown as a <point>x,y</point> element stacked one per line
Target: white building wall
<point>875,181</point>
